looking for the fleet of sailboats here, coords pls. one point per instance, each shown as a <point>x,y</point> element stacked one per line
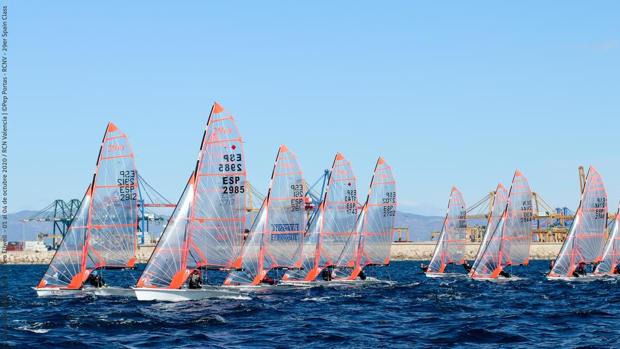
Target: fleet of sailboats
<point>210,234</point>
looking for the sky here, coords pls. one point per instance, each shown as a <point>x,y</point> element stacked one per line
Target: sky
<point>449,93</point>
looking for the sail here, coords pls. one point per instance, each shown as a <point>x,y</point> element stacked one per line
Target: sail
<point>206,229</point>
<point>586,237</point>
<point>114,207</point>
<point>103,233</point>
<point>332,225</point>
<point>371,242</point>
<point>67,266</point>
<point>499,204</point>
<point>450,248</point>
<point>611,254</point>
<point>275,238</point>
<point>509,242</point>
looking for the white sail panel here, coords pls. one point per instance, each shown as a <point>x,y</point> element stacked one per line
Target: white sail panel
<point>67,266</point>
<point>586,237</point>
<point>450,248</point>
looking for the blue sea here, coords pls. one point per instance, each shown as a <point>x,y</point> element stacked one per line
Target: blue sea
<point>413,312</point>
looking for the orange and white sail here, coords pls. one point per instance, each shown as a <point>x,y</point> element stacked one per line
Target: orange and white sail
<point>371,241</point>
<point>586,237</point>
<point>500,197</point>
<point>509,243</point>
<point>332,225</point>
<point>207,226</point>
<point>611,254</point>
<point>276,236</point>
<point>103,233</point>
<point>450,248</point>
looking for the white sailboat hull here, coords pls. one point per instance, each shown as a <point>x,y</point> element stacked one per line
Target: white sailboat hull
<point>58,292</point>
<point>181,295</point>
<point>444,275</point>
<point>108,291</point>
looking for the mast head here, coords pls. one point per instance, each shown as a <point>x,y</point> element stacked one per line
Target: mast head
<point>217,108</point>
<point>518,173</point>
<point>283,148</point>
<point>380,161</point>
<point>339,157</point>
<point>111,127</point>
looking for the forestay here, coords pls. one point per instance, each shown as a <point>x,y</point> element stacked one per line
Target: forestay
<point>207,226</point>
<point>586,237</point>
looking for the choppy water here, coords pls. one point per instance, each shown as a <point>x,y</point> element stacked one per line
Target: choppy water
<point>416,312</point>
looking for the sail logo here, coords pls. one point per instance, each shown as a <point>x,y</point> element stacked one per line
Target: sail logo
<point>285,237</point>
<point>279,227</point>
<point>115,148</point>
<point>218,132</point>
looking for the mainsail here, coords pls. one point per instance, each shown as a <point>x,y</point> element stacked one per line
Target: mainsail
<point>103,233</point>
<point>276,236</point>
<point>499,205</point>
<point>611,254</point>
<point>332,225</point>
<point>586,237</point>
<point>206,228</point>
<point>371,241</point>
<point>509,242</point>
<point>450,248</point>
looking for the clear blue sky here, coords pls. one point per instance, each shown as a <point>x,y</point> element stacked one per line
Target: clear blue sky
<point>457,93</point>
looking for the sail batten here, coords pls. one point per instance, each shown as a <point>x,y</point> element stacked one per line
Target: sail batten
<point>206,228</point>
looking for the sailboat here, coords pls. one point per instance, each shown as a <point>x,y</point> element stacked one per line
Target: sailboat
<point>205,231</point>
<point>586,237</point>
<point>331,226</point>
<point>611,255</point>
<point>275,239</point>
<point>509,242</point>
<point>371,241</point>
<point>103,233</point>
<point>498,205</point>
<point>450,248</point>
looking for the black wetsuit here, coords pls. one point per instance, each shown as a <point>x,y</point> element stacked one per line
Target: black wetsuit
<point>617,269</point>
<point>579,271</point>
<point>467,267</point>
<point>95,280</point>
<point>326,274</point>
<point>195,282</point>
<point>424,268</point>
<point>504,274</point>
<point>361,275</point>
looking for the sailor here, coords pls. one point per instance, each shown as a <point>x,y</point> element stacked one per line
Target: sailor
<point>424,267</point>
<point>95,279</point>
<point>326,274</point>
<point>361,275</point>
<point>267,280</point>
<point>195,280</point>
<point>617,269</point>
<point>580,270</point>
<point>504,273</point>
<point>467,266</point>
<point>551,264</point>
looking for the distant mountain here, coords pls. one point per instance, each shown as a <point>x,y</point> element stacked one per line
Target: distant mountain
<point>419,226</point>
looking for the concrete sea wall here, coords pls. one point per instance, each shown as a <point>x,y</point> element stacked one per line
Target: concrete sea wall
<point>417,251</point>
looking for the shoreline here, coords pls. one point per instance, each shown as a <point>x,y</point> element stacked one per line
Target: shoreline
<point>401,251</point>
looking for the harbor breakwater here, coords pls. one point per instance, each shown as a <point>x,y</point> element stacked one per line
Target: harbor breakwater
<point>415,251</point>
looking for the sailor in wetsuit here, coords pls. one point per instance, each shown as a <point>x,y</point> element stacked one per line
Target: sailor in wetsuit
<point>467,266</point>
<point>361,275</point>
<point>95,279</point>
<point>424,267</point>
<point>195,280</point>
<point>326,274</point>
<point>617,269</point>
<point>580,270</point>
<point>267,280</point>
